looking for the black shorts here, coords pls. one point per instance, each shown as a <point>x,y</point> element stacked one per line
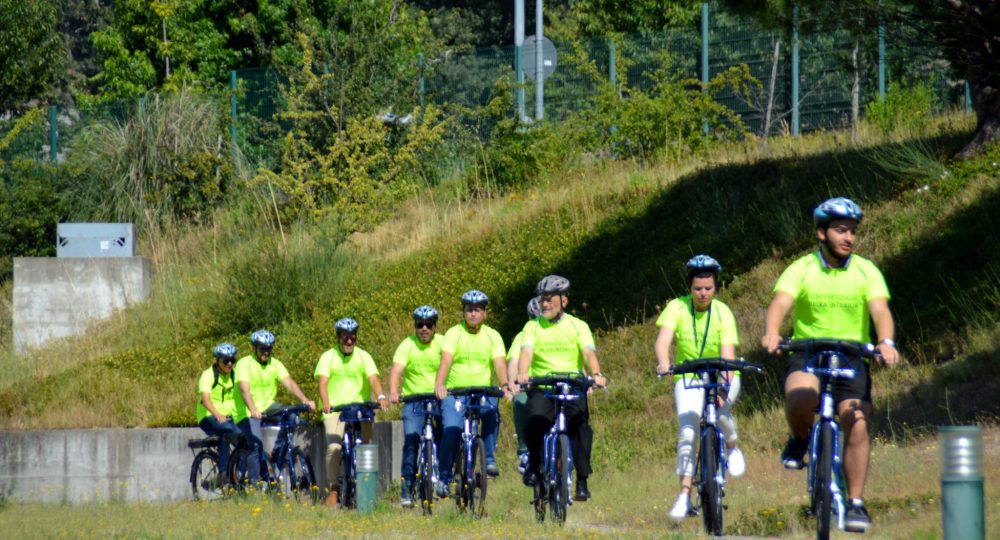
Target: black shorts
<point>860,387</point>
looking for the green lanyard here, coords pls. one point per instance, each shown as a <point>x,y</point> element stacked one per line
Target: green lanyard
<point>694,328</point>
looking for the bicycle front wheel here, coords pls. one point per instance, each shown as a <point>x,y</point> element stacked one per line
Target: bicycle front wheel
<point>559,487</point>
<point>822,487</point>
<point>425,486</point>
<point>299,479</point>
<point>238,468</point>
<point>348,482</point>
<point>711,488</point>
<point>206,482</point>
<point>476,492</point>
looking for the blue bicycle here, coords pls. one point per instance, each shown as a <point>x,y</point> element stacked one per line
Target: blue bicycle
<point>427,462</point>
<point>710,467</point>
<point>352,415</point>
<point>287,467</point>
<point>828,360</point>
<point>470,470</point>
<point>553,488</point>
<point>206,481</point>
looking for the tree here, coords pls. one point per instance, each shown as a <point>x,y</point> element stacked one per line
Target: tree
<point>31,52</point>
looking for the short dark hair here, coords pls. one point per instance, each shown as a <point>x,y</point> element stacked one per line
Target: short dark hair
<point>699,273</point>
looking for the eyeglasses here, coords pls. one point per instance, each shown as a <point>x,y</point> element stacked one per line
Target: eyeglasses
<point>228,360</point>
<point>264,350</point>
<point>423,324</point>
<point>347,337</point>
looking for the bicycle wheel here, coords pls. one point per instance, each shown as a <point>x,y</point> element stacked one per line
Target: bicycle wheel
<point>425,478</point>
<point>348,482</point>
<point>476,491</point>
<point>540,500</point>
<point>299,479</point>
<point>559,488</point>
<point>238,461</point>
<point>822,494</point>
<point>205,476</point>
<point>711,489</point>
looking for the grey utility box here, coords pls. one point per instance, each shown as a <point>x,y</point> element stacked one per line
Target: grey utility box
<point>95,240</point>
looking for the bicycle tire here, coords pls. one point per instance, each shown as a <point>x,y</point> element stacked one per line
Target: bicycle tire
<point>540,500</point>
<point>425,470</point>
<point>476,492</point>
<point>822,494</point>
<point>559,487</point>
<point>204,476</point>
<point>711,490</point>
<point>300,478</point>
<point>238,469</point>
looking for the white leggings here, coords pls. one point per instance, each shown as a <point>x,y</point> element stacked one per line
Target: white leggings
<point>689,403</point>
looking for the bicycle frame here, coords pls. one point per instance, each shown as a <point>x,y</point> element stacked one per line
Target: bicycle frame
<point>709,381</point>
<point>564,392</point>
<point>428,436</point>
<point>470,430</point>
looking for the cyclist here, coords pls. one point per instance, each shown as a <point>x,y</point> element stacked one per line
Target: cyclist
<point>834,292</point>
<point>467,352</point>
<point>215,409</point>
<point>520,396</point>
<point>416,362</point>
<point>557,342</point>
<point>346,374</point>
<point>257,376</point>
<point>701,327</point>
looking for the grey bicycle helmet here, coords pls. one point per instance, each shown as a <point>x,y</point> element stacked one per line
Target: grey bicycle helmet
<point>834,209</point>
<point>475,296</point>
<point>346,324</point>
<point>224,350</point>
<point>262,338</point>
<point>552,284</point>
<point>703,263</point>
<point>425,312</point>
<point>534,307</point>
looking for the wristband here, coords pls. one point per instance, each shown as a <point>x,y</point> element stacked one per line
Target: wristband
<point>888,342</point>
<point>380,397</point>
<point>598,374</point>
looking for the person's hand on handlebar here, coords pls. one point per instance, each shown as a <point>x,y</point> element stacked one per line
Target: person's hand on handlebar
<point>310,403</point>
<point>393,397</point>
<point>662,369</point>
<point>326,408</point>
<point>888,354</point>
<point>771,342</point>
<point>254,413</point>
<point>600,380</point>
<point>440,391</point>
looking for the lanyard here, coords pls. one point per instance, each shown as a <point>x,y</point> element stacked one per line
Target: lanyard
<point>694,328</point>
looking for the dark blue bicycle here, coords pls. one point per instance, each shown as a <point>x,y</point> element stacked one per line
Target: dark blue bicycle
<point>286,468</point>
<point>553,488</point>
<point>710,467</point>
<point>352,415</point>
<point>470,470</point>
<point>427,472</point>
<point>828,360</point>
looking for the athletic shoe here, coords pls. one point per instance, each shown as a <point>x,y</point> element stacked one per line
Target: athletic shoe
<point>522,463</point>
<point>492,470</point>
<point>681,507</point>
<point>582,493</point>
<point>442,489</point>
<point>856,520</point>
<point>794,454</point>
<point>405,496</point>
<point>736,465</point>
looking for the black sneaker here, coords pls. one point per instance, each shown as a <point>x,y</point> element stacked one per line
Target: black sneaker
<point>492,470</point>
<point>794,454</point>
<point>530,477</point>
<point>856,519</point>
<point>582,493</point>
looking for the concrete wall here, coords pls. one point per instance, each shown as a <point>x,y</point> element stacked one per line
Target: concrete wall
<point>129,465</point>
<point>59,297</point>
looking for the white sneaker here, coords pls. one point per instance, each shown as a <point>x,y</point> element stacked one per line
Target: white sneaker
<point>737,466</point>
<point>680,509</point>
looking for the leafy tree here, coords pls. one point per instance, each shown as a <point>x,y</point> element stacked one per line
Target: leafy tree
<point>31,52</point>
<point>600,17</point>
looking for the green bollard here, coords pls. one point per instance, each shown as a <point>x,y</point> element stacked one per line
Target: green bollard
<point>962,513</point>
<point>367,476</point>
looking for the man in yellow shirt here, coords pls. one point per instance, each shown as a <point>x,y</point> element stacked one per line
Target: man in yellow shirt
<point>215,408</point>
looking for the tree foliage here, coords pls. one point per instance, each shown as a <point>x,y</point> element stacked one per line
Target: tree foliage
<point>31,52</point>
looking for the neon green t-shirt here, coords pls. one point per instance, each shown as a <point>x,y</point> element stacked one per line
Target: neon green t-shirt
<point>348,376</point>
<point>221,394</point>
<point>556,346</point>
<point>420,362</point>
<point>711,328</point>
<point>832,302</point>
<point>515,347</point>
<point>474,354</point>
<point>264,381</point>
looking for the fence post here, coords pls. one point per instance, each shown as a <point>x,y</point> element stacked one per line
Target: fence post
<point>54,133</point>
<point>232,111</point>
<point>420,65</point>
<point>704,57</point>
<point>968,98</point>
<point>795,70</point>
<point>539,63</point>
<point>881,53</point>
<point>612,74</point>
<point>519,59</point>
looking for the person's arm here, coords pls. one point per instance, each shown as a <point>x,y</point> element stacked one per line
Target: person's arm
<point>500,366</point>
<point>524,364</point>
<point>291,386</point>
<point>885,328</point>
<point>781,304</point>
<point>512,374</point>
<point>206,400</point>
<point>248,399</point>
<point>395,375</point>
<point>442,375</point>
<point>376,386</point>
<point>324,392</point>
<point>728,351</point>
<point>662,349</point>
<point>590,356</point>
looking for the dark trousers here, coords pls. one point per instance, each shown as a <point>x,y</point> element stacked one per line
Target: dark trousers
<point>541,413</point>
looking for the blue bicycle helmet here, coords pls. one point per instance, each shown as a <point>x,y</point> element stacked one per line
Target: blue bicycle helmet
<point>224,350</point>
<point>534,307</point>
<point>346,324</point>
<point>475,296</point>
<point>425,312</point>
<point>834,209</point>
<point>262,338</point>
<point>552,284</point>
<point>703,263</point>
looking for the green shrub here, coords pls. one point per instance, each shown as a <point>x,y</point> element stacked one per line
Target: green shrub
<point>31,205</point>
<point>906,108</point>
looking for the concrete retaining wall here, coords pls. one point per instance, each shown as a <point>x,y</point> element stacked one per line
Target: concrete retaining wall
<point>58,297</point>
<point>80,466</point>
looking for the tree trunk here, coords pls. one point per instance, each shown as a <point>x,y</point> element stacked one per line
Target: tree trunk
<point>985,89</point>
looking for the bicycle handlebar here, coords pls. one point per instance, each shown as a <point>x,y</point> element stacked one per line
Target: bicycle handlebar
<point>418,397</point>
<point>576,380</point>
<point>487,391</point>
<point>701,365</point>
<point>809,346</point>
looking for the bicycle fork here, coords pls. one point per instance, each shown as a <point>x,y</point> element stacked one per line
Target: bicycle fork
<point>551,441</point>
<point>429,437</point>
<point>837,495</point>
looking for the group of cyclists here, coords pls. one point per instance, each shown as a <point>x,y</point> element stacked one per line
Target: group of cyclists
<point>832,292</point>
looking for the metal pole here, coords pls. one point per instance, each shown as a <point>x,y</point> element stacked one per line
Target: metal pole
<point>795,70</point>
<point>539,67</point>
<point>232,110</point>
<point>704,56</point>
<point>519,58</point>
<point>881,53</point>
<point>612,74</point>
<point>420,65</point>
<point>962,512</point>
<point>968,98</point>
<point>54,133</point>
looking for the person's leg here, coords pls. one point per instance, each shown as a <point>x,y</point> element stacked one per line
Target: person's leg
<point>581,435</point>
<point>413,426</point>
<point>453,420</point>
<point>250,427</point>
<point>541,414</point>
<point>689,403</point>
<point>334,431</point>
<point>801,400</point>
<point>520,418</point>
<point>228,434</point>
<point>490,414</point>
<point>854,415</point>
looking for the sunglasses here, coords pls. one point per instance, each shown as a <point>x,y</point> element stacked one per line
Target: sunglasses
<point>423,324</point>
<point>228,360</point>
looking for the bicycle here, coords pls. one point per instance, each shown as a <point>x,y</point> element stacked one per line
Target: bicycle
<point>204,477</point>
<point>287,467</point>
<point>352,415</point>
<point>553,488</point>
<point>470,470</point>
<point>427,461</point>
<point>824,359</point>
<point>711,462</point>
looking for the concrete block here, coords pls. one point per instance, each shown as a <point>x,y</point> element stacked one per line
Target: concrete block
<point>59,297</point>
